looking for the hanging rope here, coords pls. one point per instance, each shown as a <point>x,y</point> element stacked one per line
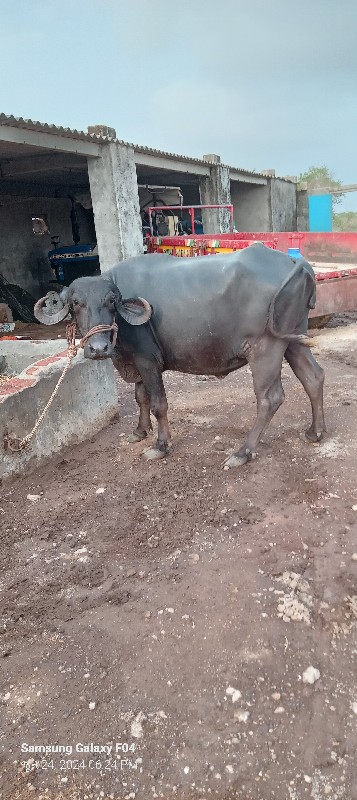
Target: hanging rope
<point>16,445</point>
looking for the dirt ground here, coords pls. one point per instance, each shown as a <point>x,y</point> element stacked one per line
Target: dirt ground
<point>169,610</point>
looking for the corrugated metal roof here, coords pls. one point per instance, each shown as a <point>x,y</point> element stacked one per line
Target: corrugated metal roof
<point>151,151</point>
<point>44,127</point>
<point>175,157</point>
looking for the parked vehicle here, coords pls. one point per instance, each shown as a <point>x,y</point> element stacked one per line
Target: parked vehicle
<point>328,253</point>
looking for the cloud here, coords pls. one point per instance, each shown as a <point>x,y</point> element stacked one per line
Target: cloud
<point>263,84</point>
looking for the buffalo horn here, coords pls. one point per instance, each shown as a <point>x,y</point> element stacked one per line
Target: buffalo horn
<point>147,306</point>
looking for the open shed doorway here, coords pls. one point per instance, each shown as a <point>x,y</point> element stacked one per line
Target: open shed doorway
<point>159,187</point>
<point>44,203</point>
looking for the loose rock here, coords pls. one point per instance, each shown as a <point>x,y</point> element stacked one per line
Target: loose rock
<point>311,675</point>
<point>235,694</point>
<point>241,716</point>
<point>136,726</point>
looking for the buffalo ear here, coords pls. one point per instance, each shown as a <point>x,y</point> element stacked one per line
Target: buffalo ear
<point>136,310</point>
<point>64,295</point>
<point>117,298</point>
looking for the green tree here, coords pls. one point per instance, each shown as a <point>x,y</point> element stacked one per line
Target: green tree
<point>321,178</point>
<point>345,221</point>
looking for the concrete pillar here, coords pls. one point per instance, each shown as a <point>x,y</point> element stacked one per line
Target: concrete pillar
<point>302,206</point>
<point>115,199</point>
<point>283,205</point>
<point>215,189</point>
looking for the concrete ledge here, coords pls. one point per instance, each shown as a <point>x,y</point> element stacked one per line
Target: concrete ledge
<point>19,354</point>
<point>86,402</point>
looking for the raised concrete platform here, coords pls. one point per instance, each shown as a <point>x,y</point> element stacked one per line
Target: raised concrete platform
<point>20,354</point>
<point>86,402</point>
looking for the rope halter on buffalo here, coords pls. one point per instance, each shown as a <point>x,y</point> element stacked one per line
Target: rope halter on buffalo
<point>18,445</point>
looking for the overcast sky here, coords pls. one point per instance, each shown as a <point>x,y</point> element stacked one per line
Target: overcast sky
<point>265,83</point>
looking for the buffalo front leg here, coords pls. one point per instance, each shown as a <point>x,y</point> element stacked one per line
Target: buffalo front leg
<point>155,389</point>
<point>144,425</point>
<point>311,376</point>
<point>265,360</point>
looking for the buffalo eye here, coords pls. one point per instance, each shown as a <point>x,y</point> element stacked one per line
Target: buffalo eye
<point>111,302</point>
<point>76,303</point>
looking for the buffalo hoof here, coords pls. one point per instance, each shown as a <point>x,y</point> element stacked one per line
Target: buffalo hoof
<point>137,437</point>
<point>238,460</point>
<point>153,454</point>
<point>311,437</point>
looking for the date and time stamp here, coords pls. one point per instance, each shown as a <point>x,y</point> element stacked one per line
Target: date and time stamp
<point>119,757</point>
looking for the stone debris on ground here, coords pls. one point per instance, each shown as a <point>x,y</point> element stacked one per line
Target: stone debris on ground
<point>87,657</point>
<point>311,675</point>
<point>235,694</point>
<point>136,727</point>
<point>295,605</point>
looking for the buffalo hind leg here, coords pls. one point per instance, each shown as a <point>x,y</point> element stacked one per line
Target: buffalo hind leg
<point>265,360</point>
<point>144,425</point>
<point>311,375</point>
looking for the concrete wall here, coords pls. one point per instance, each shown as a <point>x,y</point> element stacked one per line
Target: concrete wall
<point>86,402</point>
<point>23,255</point>
<point>251,203</point>
<point>264,208</point>
<point>283,205</point>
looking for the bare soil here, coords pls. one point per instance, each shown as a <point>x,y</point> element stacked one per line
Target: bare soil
<point>186,603</point>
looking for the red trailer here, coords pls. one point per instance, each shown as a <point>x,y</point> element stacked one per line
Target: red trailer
<point>332,255</point>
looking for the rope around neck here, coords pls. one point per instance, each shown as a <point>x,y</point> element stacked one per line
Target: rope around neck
<point>71,334</point>
<point>15,445</point>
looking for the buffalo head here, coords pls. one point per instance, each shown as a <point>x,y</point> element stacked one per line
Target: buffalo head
<point>91,302</point>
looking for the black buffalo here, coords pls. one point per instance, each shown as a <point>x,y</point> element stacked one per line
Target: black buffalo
<point>208,315</point>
